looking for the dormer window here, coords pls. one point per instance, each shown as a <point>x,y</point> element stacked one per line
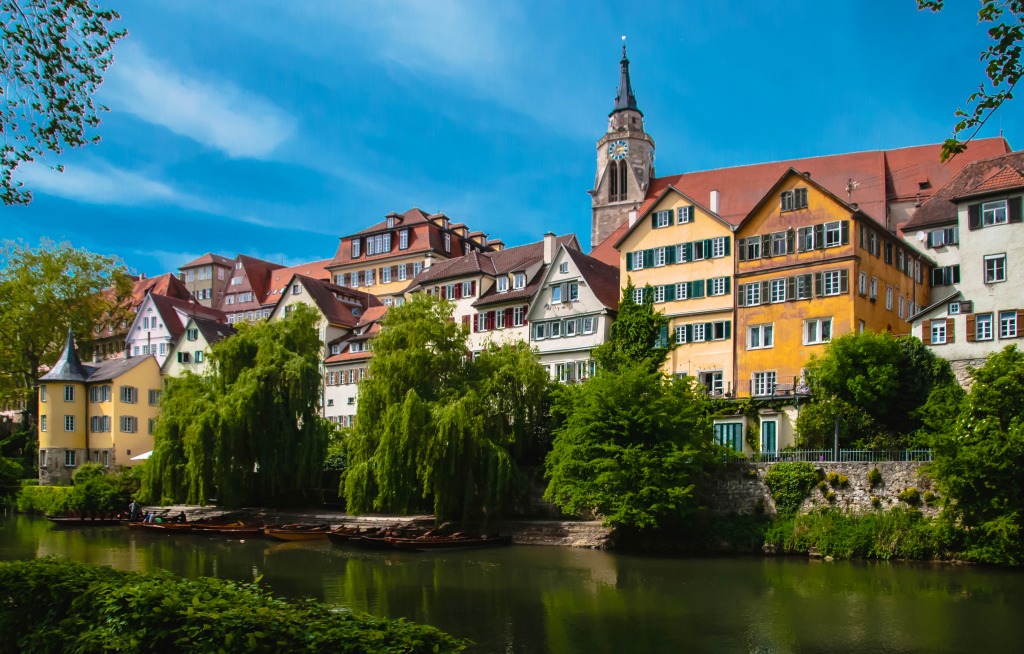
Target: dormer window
<point>355,248</point>
<point>336,348</point>
<point>391,222</point>
<point>403,239</point>
<point>519,281</point>
<point>503,284</point>
<point>447,242</point>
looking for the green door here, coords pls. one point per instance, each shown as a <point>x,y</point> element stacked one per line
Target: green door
<point>769,440</point>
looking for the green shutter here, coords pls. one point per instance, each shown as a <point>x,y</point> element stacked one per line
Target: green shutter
<point>1013,209</point>
<point>790,289</point>
<point>689,333</point>
<point>741,296</point>
<point>727,239</point>
<point>727,279</point>
<point>741,244</point>
<point>663,336</point>
<point>649,258</point>
<point>974,216</point>
<point>844,232</point>
<point>670,292</point>
<point>629,261</point>
<point>790,246</point>
<point>670,254</point>
<point>654,220</point>
<point>728,329</point>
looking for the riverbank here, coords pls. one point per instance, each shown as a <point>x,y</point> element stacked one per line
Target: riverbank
<point>564,533</point>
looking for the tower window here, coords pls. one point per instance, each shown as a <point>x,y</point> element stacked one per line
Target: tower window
<point>617,189</point>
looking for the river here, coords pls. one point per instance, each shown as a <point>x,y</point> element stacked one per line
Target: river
<point>559,600</point>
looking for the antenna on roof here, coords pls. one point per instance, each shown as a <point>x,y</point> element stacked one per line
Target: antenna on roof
<point>850,186</point>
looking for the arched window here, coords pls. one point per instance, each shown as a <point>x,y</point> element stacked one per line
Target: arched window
<point>617,186</point>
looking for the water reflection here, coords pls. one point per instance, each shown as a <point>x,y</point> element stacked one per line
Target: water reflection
<point>539,599</point>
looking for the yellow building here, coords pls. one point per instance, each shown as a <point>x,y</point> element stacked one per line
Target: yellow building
<point>99,413</point>
<point>684,252</point>
<point>811,267</point>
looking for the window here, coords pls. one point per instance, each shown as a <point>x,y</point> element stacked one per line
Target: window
<point>129,424</point>
<point>99,394</point>
<point>99,424</point>
<point>817,331</point>
<point>403,239</point>
<point>417,268</point>
<point>753,247</point>
<point>236,281</point>
<point>831,282</point>
<point>659,257</point>
<point>730,434</point>
<point>481,322</point>
<point>499,319</point>
<point>69,458</point>
<point>794,199</point>
<point>385,243</point>
<point>946,236</point>
<point>588,325</point>
<point>1008,324</point>
<point>803,286</point>
<point>712,381</point>
<point>540,331</point>
<point>638,260</point>
<point>682,290</point>
<point>946,275</point>
<point>192,334</point>
<point>154,397</point>
<point>502,284</point>
<point>467,289</point>
<point>680,334</point>
<point>862,284</point>
<point>355,247</point>
<point>995,268</point>
<point>777,290</point>
<point>983,327</point>
<point>662,219</point>
<point>574,291</point>
<point>570,327</point>
<point>385,275</point>
<point>752,294</point>
<point>684,215</point>
<point>69,393</point>
<point>556,295</point>
<point>638,295</point>
<point>718,286</point>
<point>519,281</point>
<point>42,423</point>
<point>760,336</point>
<point>888,297</point>
<point>659,294</point>
<point>719,247</point>
<point>833,234</point>
<point>370,276</point>
<point>555,329</point>
<point>563,267</point>
<point>130,394</point>
<point>183,357</point>
<point>938,332</point>
<point>993,213</point>
<point>698,332</point>
<point>69,423</point>
<point>447,242</point>
<point>763,383</point>
<point>779,244</point>
<point>517,317</point>
<point>403,273</point>
<point>42,393</point>
<point>873,292</point>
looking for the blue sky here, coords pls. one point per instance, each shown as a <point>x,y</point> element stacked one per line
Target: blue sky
<point>274,128</point>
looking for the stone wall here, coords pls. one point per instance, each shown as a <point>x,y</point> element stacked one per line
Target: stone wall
<point>740,488</point>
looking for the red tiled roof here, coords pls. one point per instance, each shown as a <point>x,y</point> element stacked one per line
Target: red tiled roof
<point>978,177</point>
<point>257,273</point>
<point>166,284</point>
<point>602,278</point>
<point>345,357</point>
<point>279,277</point>
<point>209,258</point>
<point>166,306</point>
<point>338,312</point>
<point>501,262</point>
<point>605,250</point>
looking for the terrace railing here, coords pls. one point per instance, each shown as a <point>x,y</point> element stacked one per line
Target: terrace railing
<point>854,456</point>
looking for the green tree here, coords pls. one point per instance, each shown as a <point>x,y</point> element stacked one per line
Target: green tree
<point>633,446</point>
<point>877,382</point>
<point>435,431</point>
<point>95,491</point>
<point>43,291</point>
<point>251,433</point>
<point>639,333</point>
<point>979,461</point>
<point>52,61</point>
<point>10,480</point>
<point>1002,67</point>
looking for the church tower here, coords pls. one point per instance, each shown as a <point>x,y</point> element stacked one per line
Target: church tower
<point>625,162</point>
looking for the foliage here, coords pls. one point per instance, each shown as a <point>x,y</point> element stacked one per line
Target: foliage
<point>435,430</point>
<point>633,445</point>
<point>48,500</point>
<point>1002,67</point>
<point>910,496</point>
<point>874,477</point>
<point>639,334</point>
<point>53,60</point>
<point>43,291</point>
<point>251,433</point>
<point>895,534</point>
<point>979,461</point>
<point>54,605</point>
<point>94,491</point>
<point>790,482</point>
<point>836,480</point>
<point>10,476</point>
<point>879,383</point>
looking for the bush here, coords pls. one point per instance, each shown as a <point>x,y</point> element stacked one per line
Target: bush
<point>929,498</point>
<point>910,496</point>
<point>876,502</point>
<point>874,477</point>
<point>54,605</point>
<point>50,500</point>
<point>830,495</point>
<point>790,482</point>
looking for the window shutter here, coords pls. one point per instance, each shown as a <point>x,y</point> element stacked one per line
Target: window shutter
<point>790,246</point>
<point>648,258</point>
<point>844,282</point>
<point>698,288</point>
<point>688,251</point>
<point>525,309</point>
<point>727,239</point>
<point>802,241</point>
<point>741,295</point>
<point>727,285</point>
<point>742,245</point>
<point>970,329</point>
<point>709,331</point>
<point>926,332</point>
<point>844,232</point>
<point>973,216</point>
<point>950,330</point>
<point>476,322</point>
<point>629,261</point>
<point>766,246</point>
<point>663,336</point>
<point>1020,322</point>
<point>936,277</point>
<point>472,288</point>
<point>689,333</point>
<point>728,329</point>
<point>458,291</point>
<point>1013,207</point>
<point>765,290</point>
<point>670,255</point>
<point>817,284</point>
<point>967,306</point>
<point>465,320</point>
<point>790,289</point>
<point>670,292</point>
<point>654,220</point>
<point>819,237</point>
<point>508,317</point>
<point>707,248</point>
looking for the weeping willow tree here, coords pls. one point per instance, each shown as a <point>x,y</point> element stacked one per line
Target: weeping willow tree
<point>250,433</point>
<point>435,432</point>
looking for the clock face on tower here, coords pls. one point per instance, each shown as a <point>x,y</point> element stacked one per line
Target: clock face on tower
<point>617,150</point>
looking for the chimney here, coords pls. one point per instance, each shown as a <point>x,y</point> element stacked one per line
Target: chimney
<point>632,217</point>
<point>428,259</point>
<point>549,248</point>
<point>714,201</point>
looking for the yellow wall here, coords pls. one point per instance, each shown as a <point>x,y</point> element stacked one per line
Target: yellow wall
<point>55,408</point>
<point>690,358</point>
<point>145,377</point>
<point>393,288</point>
<point>103,440</point>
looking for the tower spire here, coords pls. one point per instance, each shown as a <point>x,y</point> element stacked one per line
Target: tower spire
<point>624,99</point>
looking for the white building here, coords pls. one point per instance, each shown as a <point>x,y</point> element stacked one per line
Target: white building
<point>973,227</point>
<point>190,353</point>
<point>572,313</point>
<point>158,323</point>
<point>348,358</point>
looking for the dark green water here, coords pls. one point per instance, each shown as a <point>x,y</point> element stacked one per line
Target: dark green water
<point>547,599</point>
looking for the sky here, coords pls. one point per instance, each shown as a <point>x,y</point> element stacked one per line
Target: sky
<point>274,128</point>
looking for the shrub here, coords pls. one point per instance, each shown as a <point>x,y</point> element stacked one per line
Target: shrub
<point>911,496</point>
<point>54,605</point>
<point>822,486</point>
<point>929,498</point>
<point>836,480</point>
<point>790,482</point>
<point>874,477</point>
<point>830,495</point>
<point>51,500</point>
<point>876,502</point>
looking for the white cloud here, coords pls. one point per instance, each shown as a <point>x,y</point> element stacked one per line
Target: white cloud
<point>170,261</point>
<point>103,185</point>
<point>212,112</point>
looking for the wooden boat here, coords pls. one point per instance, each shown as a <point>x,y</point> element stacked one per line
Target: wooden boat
<point>457,541</point>
<point>342,535</point>
<point>80,521</point>
<point>165,527</point>
<point>298,531</point>
<point>370,542</point>
<point>232,530</point>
